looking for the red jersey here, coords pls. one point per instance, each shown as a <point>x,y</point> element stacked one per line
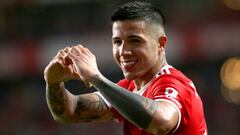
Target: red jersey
<point>170,85</point>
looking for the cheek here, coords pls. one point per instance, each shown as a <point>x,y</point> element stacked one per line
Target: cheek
<point>115,55</point>
<point>151,57</point>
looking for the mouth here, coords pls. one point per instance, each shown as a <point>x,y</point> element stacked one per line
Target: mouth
<point>128,64</point>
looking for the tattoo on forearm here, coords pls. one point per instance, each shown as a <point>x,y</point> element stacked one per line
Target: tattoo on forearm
<point>55,98</point>
<point>81,108</point>
<point>85,104</point>
<point>90,109</point>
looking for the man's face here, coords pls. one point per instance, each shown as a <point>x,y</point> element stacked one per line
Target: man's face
<point>135,48</point>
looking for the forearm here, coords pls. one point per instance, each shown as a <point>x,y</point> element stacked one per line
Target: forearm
<point>60,101</point>
<point>135,108</point>
<point>68,108</point>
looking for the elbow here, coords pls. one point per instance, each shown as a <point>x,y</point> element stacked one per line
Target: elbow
<point>60,120</point>
<point>161,127</point>
<point>167,127</point>
<point>63,112</point>
<point>164,120</point>
<point>163,124</point>
<point>63,120</point>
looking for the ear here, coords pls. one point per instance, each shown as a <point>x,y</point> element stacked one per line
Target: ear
<point>163,41</point>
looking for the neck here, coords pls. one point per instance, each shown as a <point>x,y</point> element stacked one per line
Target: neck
<point>141,82</point>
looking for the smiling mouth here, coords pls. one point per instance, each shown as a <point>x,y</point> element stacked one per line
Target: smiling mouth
<point>128,65</point>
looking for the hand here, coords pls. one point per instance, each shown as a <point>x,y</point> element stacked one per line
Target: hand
<point>60,68</point>
<point>84,63</point>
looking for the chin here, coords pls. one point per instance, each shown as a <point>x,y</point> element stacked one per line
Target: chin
<point>129,76</point>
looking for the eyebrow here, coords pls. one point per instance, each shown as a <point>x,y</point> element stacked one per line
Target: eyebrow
<point>134,36</point>
<point>115,38</point>
<point>131,36</point>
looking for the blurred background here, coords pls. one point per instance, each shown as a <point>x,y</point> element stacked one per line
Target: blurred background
<point>204,42</point>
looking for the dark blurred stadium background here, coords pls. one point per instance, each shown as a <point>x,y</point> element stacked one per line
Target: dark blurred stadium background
<point>204,42</point>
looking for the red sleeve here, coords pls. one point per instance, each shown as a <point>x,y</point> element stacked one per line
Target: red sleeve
<point>180,91</point>
<point>169,88</point>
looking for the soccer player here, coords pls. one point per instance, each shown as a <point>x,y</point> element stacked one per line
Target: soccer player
<point>154,98</point>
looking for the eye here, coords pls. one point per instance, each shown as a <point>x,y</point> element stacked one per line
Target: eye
<point>117,42</point>
<point>135,40</point>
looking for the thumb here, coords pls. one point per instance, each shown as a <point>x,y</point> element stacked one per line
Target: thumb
<point>87,84</point>
<point>67,60</point>
<point>76,70</point>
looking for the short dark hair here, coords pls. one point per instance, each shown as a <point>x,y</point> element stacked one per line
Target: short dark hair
<point>138,10</point>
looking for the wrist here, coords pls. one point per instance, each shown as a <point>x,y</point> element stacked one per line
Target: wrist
<point>94,79</point>
<point>55,85</point>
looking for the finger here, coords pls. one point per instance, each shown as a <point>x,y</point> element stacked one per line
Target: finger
<point>79,45</point>
<point>67,49</point>
<point>73,59</point>
<point>76,69</point>
<point>62,52</point>
<point>88,52</point>
<point>74,50</point>
<point>72,56</point>
<point>82,49</point>
<point>67,60</point>
<point>59,55</point>
<point>73,72</point>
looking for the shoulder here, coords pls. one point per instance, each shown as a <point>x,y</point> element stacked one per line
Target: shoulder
<point>125,83</point>
<point>170,76</point>
<point>171,84</point>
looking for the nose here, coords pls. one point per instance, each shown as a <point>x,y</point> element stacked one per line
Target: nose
<point>125,49</point>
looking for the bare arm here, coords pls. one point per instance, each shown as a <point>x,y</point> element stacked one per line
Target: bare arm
<point>158,118</point>
<point>69,108</point>
<point>63,105</point>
